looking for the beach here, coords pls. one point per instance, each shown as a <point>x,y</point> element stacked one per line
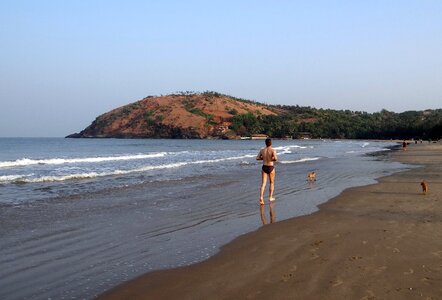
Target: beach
<point>81,216</point>
<point>380,241</point>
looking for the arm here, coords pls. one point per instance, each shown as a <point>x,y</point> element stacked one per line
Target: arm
<point>274,156</point>
<point>259,156</point>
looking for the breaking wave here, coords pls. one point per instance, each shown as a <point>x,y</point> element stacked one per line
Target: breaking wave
<point>89,175</point>
<point>288,149</point>
<point>58,161</point>
<point>299,160</point>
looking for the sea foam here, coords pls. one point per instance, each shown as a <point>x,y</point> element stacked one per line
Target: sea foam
<point>299,160</point>
<point>89,175</point>
<point>58,161</point>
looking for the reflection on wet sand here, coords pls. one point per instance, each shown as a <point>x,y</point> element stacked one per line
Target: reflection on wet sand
<point>271,213</point>
<point>311,184</point>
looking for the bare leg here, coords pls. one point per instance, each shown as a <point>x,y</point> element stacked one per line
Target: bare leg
<point>263,186</point>
<point>272,185</point>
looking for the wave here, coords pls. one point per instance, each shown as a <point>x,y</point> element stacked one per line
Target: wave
<point>370,150</point>
<point>6,178</point>
<point>221,159</point>
<point>58,161</point>
<point>26,179</point>
<point>299,160</point>
<point>365,144</point>
<point>288,149</point>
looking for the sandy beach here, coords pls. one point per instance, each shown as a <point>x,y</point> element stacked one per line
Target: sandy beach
<point>381,241</point>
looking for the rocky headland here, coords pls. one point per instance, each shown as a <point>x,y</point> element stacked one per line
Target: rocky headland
<point>182,115</point>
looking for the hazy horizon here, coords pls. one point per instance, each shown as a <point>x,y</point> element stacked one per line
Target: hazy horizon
<point>63,64</point>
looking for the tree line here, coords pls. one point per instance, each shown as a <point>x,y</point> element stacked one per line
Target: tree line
<point>296,121</point>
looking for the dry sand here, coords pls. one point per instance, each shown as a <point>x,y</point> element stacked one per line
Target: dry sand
<point>382,241</point>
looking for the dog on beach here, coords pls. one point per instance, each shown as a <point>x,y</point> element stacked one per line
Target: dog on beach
<point>424,185</point>
<point>311,176</point>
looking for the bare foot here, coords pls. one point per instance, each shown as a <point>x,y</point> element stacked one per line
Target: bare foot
<point>261,201</point>
<point>272,199</point>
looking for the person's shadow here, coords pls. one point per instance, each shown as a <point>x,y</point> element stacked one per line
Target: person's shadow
<point>271,213</point>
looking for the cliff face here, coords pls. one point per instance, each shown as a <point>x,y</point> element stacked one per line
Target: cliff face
<point>206,115</point>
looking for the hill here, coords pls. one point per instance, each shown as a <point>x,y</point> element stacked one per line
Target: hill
<point>214,115</point>
<point>183,115</point>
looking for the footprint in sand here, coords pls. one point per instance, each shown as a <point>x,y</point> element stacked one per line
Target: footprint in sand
<point>410,271</point>
<point>317,243</point>
<point>353,258</point>
<point>313,253</point>
<point>336,282</point>
<point>379,270</point>
<point>426,280</point>
<point>289,275</point>
<point>437,253</point>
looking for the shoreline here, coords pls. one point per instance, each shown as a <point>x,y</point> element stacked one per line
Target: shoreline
<point>349,248</point>
<point>110,232</point>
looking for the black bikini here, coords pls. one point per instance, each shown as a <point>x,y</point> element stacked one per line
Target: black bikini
<point>267,169</point>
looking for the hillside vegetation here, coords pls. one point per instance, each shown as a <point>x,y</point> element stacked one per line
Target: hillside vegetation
<point>214,115</point>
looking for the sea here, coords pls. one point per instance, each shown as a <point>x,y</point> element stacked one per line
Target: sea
<point>80,216</point>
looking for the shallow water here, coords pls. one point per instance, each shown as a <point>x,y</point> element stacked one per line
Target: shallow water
<point>176,203</point>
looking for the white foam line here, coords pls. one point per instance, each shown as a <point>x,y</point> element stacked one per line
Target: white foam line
<point>289,147</point>
<point>7,178</point>
<point>299,160</point>
<point>23,179</point>
<point>58,161</point>
<point>221,159</point>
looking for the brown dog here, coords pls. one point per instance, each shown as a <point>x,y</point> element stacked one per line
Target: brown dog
<point>311,176</point>
<point>424,185</point>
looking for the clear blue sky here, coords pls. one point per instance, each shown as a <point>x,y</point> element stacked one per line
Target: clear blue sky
<point>62,63</point>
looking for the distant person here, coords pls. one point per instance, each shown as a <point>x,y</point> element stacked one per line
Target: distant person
<point>404,145</point>
<point>268,157</point>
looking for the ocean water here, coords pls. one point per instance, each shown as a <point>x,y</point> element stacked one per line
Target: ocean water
<point>78,216</point>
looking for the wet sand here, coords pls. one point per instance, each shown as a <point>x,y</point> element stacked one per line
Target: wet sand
<point>382,241</point>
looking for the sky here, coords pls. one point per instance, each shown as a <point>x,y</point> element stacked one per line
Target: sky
<point>63,63</point>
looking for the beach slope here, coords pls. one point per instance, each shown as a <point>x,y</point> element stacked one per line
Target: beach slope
<point>381,241</point>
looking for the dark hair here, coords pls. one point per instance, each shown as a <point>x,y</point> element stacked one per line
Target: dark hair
<point>268,142</point>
